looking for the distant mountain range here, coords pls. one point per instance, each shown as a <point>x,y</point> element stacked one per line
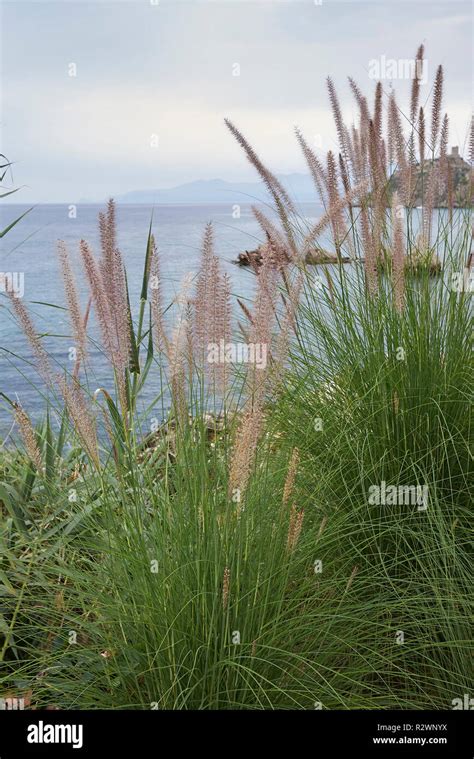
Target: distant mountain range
<point>300,187</point>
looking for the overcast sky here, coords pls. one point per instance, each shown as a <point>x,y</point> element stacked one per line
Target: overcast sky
<point>164,73</point>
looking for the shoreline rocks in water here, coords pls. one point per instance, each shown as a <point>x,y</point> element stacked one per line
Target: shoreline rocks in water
<point>416,265</point>
<point>314,257</point>
<point>251,258</point>
<point>163,440</point>
<point>319,256</point>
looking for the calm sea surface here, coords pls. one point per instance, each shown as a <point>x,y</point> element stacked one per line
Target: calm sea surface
<point>30,248</point>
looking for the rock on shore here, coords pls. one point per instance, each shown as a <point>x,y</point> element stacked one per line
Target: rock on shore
<point>313,257</point>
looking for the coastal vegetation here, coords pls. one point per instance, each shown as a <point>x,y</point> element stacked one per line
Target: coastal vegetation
<point>288,532</point>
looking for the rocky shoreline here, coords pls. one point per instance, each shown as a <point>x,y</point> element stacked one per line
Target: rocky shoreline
<point>253,258</point>
<point>318,257</point>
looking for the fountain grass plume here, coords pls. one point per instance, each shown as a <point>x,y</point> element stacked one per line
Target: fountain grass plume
<point>282,200</point>
<point>28,436</point>
<point>79,410</point>
<point>315,167</point>
<point>291,476</point>
<point>398,254</point>
<point>29,330</point>
<point>160,339</point>
<point>436,107</point>
<point>337,115</point>
<point>72,299</point>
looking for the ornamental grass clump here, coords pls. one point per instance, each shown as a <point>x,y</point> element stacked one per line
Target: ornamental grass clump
<point>236,548</point>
